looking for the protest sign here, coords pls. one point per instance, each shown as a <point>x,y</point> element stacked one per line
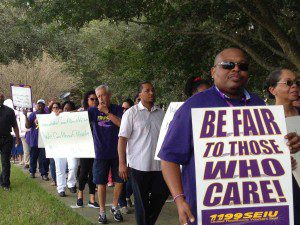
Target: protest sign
<point>243,166</point>
<point>66,135</point>
<point>293,125</point>
<point>173,107</point>
<point>21,96</point>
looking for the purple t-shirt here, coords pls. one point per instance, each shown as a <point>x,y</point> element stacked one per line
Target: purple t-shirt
<point>178,146</point>
<point>105,132</point>
<point>33,134</point>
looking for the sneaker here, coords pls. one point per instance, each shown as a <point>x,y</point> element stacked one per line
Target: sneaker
<point>129,202</point>
<point>124,210</point>
<point>26,167</point>
<point>110,184</point>
<point>94,205</point>
<point>102,218</point>
<point>45,178</point>
<point>117,214</point>
<point>62,194</point>
<point>6,188</point>
<point>32,175</point>
<point>73,190</point>
<point>79,202</point>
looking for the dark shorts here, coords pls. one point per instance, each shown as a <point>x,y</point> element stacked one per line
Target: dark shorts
<point>101,169</point>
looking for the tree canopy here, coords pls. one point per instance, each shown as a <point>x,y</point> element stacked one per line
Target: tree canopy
<point>124,42</point>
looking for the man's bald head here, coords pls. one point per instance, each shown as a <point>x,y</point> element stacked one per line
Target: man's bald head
<point>229,51</point>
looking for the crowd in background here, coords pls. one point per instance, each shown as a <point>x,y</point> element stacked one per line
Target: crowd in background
<point>125,139</point>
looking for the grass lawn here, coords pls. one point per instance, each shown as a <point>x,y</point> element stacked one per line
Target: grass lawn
<point>28,203</point>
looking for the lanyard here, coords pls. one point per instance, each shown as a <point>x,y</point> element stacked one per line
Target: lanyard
<point>223,96</point>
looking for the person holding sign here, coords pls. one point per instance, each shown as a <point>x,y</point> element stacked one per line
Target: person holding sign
<point>283,85</point>
<point>106,120</point>
<point>230,75</point>
<point>61,164</point>
<point>7,121</point>
<point>36,153</point>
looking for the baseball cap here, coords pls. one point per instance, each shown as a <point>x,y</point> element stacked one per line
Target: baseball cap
<point>41,101</point>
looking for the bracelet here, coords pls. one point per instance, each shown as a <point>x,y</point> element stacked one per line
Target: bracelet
<point>177,196</point>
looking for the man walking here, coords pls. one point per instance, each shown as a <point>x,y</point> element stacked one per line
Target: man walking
<point>7,121</point>
<point>139,132</point>
<point>105,120</point>
<point>36,153</point>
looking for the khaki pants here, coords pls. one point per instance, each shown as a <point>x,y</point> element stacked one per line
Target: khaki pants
<point>26,151</point>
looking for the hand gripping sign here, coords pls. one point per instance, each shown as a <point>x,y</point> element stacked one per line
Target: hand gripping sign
<point>243,167</point>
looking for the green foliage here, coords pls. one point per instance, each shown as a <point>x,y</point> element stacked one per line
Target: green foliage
<point>122,43</point>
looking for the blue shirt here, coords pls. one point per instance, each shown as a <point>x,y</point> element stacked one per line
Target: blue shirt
<point>105,132</point>
<point>33,134</point>
<point>178,146</point>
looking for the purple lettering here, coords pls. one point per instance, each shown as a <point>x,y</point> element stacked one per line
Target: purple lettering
<point>232,194</point>
<point>271,125</point>
<point>249,125</point>
<point>208,125</point>
<point>208,199</point>
<point>236,122</point>
<point>212,169</point>
<point>221,124</point>
<point>250,169</point>
<point>268,164</point>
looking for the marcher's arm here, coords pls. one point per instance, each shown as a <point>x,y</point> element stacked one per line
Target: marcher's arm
<point>172,176</point>
<point>16,130</point>
<point>116,120</point>
<point>123,170</point>
<point>27,122</point>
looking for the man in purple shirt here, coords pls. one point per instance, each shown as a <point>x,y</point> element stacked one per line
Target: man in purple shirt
<point>106,120</point>
<point>230,74</point>
<point>36,153</point>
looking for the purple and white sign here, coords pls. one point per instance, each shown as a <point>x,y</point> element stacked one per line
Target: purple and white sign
<point>243,166</point>
<point>21,96</point>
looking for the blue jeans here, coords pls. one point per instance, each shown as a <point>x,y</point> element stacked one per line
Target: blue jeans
<point>39,155</point>
<point>52,169</point>
<point>126,193</point>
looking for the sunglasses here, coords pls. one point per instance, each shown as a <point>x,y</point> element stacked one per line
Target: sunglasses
<point>290,83</point>
<point>93,99</point>
<point>55,107</point>
<point>231,65</point>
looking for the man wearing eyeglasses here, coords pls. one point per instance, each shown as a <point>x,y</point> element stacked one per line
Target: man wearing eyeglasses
<point>230,75</point>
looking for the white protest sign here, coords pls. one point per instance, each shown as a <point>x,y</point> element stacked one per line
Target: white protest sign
<point>293,125</point>
<point>173,107</point>
<point>66,135</point>
<point>21,96</point>
<point>243,166</point>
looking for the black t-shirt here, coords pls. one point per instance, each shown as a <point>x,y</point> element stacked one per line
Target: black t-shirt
<point>7,120</point>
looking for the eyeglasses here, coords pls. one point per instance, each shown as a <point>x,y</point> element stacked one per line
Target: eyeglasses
<point>93,99</point>
<point>124,109</point>
<point>231,65</point>
<point>290,83</point>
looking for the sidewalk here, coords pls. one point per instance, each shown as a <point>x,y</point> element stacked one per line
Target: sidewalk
<point>168,215</point>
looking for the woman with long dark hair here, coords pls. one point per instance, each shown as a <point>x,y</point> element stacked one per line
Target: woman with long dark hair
<point>86,164</point>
